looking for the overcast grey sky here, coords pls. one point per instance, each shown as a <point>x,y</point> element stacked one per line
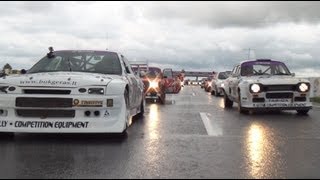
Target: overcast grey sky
<point>202,36</point>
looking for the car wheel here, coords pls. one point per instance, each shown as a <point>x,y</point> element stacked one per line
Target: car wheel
<point>227,102</point>
<point>217,93</point>
<point>127,115</point>
<point>162,98</point>
<point>140,114</point>
<point>213,92</point>
<point>240,108</point>
<point>302,112</point>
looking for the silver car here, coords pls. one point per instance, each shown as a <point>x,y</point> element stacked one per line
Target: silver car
<point>217,83</point>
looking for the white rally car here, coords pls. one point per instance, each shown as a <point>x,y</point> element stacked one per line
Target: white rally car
<point>217,83</point>
<point>72,91</point>
<point>266,84</point>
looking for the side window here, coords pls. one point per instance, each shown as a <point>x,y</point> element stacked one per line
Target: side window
<point>167,73</point>
<point>238,71</point>
<point>234,71</point>
<point>126,65</point>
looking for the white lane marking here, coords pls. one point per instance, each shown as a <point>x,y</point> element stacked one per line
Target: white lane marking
<point>193,94</point>
<point>212,129</point>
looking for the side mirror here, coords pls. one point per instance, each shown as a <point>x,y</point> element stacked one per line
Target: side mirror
<point>293,74</point>
<point>23,71</point>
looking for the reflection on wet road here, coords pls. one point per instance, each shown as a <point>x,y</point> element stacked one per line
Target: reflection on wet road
<point>261,151</point>
<point>191,136</point>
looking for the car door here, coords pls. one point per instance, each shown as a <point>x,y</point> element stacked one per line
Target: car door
<point>214,81</point>
<point>169,82</point>
<point>232,82</point>
<point>236,83</point>
<point>135,86</point>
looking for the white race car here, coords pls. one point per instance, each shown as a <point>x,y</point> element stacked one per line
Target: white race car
<point>72,92</point>
<point>217,83</point>
<point>266,84</point>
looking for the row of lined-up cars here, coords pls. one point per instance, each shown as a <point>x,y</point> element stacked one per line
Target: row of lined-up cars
<point>84,91</point>
<point>261,84</point>
<point>79,91</point>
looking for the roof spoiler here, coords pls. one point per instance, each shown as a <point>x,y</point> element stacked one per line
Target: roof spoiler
<point>263,59</point>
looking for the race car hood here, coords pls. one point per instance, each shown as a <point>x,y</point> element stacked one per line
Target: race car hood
<point>59,79</point>
<point>274,80</point>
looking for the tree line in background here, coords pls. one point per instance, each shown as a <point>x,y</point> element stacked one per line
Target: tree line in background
<point>7,69</point>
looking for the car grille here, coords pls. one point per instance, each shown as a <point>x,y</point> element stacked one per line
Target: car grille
<point>43,102</point>
<point>279,88</point>
<point>46,91</point>
<point>45,113</point>
<point>258,100</point>
<point>279,95</point>
<point>300,99</point>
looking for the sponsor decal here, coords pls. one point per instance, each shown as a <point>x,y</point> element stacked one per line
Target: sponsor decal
<point>87,103</point>
<point>76,102</point>
<point>279,100</point>
<point>106,113</point>
<point>48,82</point>
<point>262,63</point>
<point>45,124</point>
<point>3,123</point>
<point>259,105</point>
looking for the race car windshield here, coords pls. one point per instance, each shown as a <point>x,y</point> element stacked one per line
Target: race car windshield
<point>154,72</point>
<point>79,61</point>
<point>223,75</point>
<point>256,68</point>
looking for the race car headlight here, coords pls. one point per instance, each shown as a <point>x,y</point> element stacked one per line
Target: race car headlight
<point>96,91</point>
<point>153,84</point>
<point>255,88</point>
<point>222,85</point>
<point>303,87</point>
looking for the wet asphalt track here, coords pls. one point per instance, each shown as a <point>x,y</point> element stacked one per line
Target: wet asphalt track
<point>192,136</point>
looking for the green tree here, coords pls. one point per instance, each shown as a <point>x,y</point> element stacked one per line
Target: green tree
<point>7,66</point>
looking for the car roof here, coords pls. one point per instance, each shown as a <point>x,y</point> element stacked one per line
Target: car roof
<point>260,60</point>
<point>76,50</point>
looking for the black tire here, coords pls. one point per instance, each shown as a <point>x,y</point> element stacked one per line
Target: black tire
<point>240,108</point>
<point>213,93</point>
<point>140,114</point>
<point>303,112</point>
<point>126,98</point>
<point>227,102</point>
<point>162,99</point>
<point>216,90</point>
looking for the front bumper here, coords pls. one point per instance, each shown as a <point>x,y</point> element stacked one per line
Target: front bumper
<point>153,94</point>
<point>102,119</point>
<point>287,103</point>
